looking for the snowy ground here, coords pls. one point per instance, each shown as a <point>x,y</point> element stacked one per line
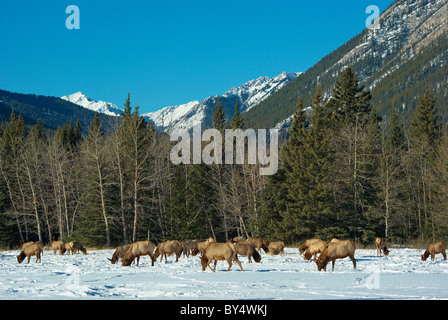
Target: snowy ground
<point>401,275</point>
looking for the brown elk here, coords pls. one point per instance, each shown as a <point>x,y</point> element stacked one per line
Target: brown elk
<point>30,250</point>
<point>219,251</point>
<point>259,244</point>
<point>336,250</point>
<point>314,248</point>
<point>137,249</point>
<point>306,244</point>
<point>73,247</point>
<point>380,245</point>
<point>56,245</point>
<point>433,249</point>
<point>188,246</point>
<point>275,248</point>
<point>247,249</point>
<point>26,244</point>
<point>201,246</point>
<point>119,253</point>
<point>168,248</point>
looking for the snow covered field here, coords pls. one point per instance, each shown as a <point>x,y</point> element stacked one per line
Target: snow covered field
<point>401,275</point>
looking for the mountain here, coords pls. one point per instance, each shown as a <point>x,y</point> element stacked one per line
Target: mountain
<point>97,106</point>
<point>248,95</point>
<point>53,112</point>
<point>396,61</point>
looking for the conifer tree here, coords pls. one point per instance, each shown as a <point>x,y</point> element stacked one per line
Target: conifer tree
<point>424,134</point>
<point>219,116</point>
<point>237,121</point>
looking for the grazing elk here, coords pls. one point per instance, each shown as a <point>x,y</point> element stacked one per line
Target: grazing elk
<point>56,245</point>
<point>137,249</point>
<point>169,247</point>
<point>275,248</point>
<point>247,249</point>
<point>73,247</point>
<point>219,251</point>
<point>433,249</point>
<point>336,250</point>
<point>380,245</point>
<point>314,248</point>
<point>26,244</point>
<point>30,250</point>
<point>119,253</point>
<point>306,244</point>
<point>259,244</point>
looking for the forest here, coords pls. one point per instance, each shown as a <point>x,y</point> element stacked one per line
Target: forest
<point>344,171</point>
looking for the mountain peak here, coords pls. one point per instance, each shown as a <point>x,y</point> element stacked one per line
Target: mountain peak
<point>98,106</point>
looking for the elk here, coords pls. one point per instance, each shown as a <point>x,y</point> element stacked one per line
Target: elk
<point>336,250</point>
<point>169,247</point>
<point>259,244</point>
<point>219,251</point>
<point>433,249</point>
<point>381,247</point>
<point>119,253</point>
<point>275,248</point>
<point>30,250</point>
<point>137,249</point>
<point>314,248</point>
<point>247,249</point>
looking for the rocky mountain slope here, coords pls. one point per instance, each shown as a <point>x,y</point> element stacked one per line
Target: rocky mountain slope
<point>408,51</point>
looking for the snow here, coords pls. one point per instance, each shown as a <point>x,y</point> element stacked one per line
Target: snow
<point>401,275</point>
<point>248,95</point>
<point>98,106</point>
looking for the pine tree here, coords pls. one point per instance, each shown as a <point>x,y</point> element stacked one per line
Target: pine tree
<point>219,116</point>
<point>237,122</point>
<point>424,133</point>
<point>293,225</point>
<point>351,111</point>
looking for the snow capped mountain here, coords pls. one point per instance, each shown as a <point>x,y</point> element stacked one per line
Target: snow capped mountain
<point>255,91</point>
<point>98,106</point>
<point>185,116</point>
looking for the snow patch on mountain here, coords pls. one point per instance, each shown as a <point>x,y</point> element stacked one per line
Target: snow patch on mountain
<point>98,106</point>
<point>248,95</point>
<point>185,116</point>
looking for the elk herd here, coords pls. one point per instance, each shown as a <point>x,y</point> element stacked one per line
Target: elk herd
<point>210,251</point>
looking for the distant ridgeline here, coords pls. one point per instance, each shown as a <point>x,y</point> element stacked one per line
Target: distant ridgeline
<point>53,112</point>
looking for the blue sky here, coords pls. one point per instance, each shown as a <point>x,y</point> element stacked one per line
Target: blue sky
<point>166,52</point>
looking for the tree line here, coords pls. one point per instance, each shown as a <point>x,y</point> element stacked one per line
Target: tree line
<point>344,172</point>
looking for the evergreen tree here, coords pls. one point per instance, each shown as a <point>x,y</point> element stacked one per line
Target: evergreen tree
<point>237,122</point>
<point>293,226</point>
<point>351,111</point>
<point>219,116</point>
<point>424,134</point>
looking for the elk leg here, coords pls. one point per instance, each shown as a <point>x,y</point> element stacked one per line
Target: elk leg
<point>239,263</point>
<point>353,260</point>
<point>209,265</point>
<point>229,261</point>
<point>444,255</point>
